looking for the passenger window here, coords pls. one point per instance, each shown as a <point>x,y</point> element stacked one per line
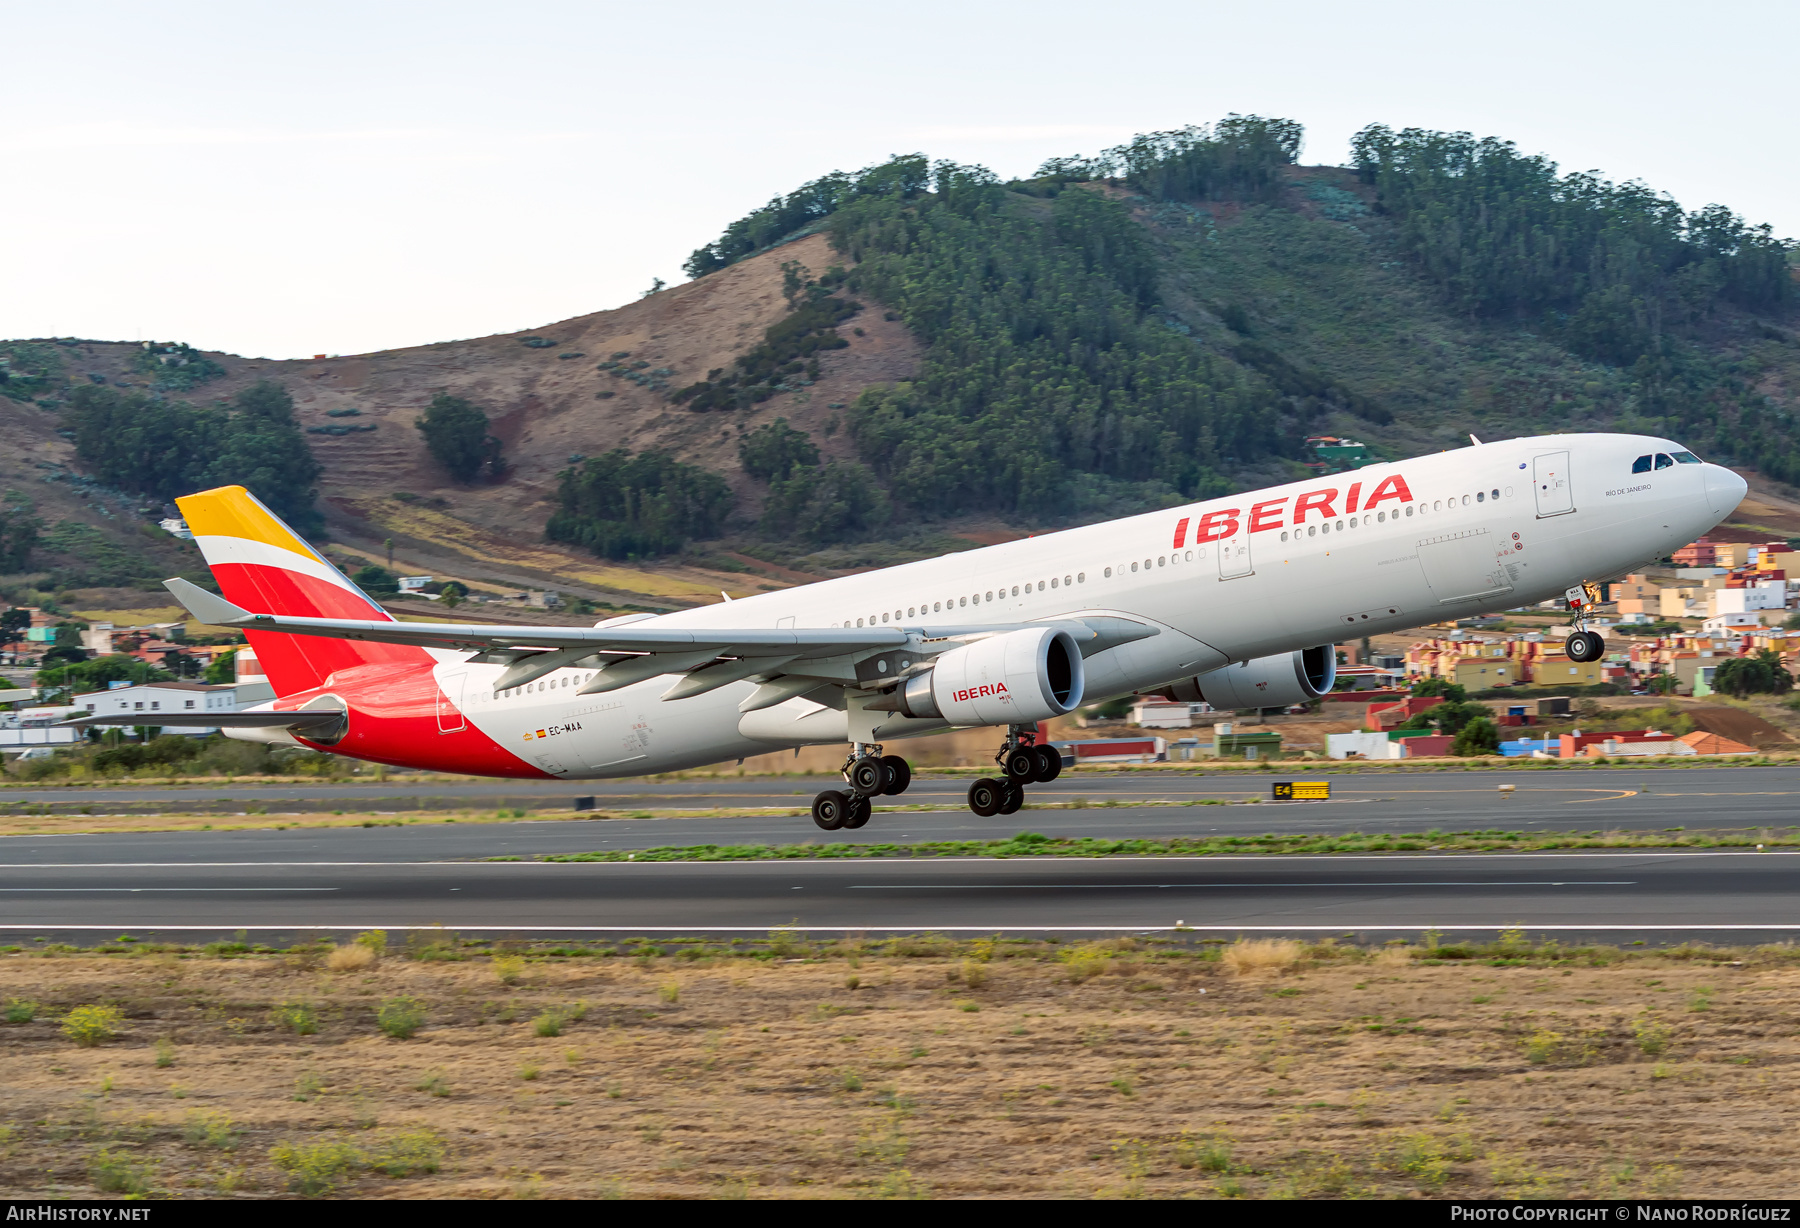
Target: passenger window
<point>1134,567</point>
<point>1663,461</point>
<point>1686,458</point>
<point>1284,537</point>
<point>1641,465</point>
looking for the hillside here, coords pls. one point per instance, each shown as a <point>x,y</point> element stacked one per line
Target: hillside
<point>1165,320</point>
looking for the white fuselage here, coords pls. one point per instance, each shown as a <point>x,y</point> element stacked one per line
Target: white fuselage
<point>1490,527</point>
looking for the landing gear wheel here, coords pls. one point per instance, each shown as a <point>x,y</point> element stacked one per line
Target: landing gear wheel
<point>857,812</point>
<point>985,796</point>
<point>1585,646</point>
<point>899,773</point>
<point>1049,763</point>
<point>831,808</point>
<point>1022,764</point>
<point>1012,796</point>
<point>868,776</point>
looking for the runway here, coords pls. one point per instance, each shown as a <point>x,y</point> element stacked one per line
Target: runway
<point>1147,803</point>
<point>1621,897</point>
<point>424,871</point>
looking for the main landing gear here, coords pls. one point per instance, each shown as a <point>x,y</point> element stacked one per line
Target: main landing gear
<point>869,773</point>
<point>1022,762</point>
<point>1583,645</point>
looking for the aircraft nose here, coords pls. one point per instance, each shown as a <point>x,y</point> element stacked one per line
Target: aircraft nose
<point>1724,489</point>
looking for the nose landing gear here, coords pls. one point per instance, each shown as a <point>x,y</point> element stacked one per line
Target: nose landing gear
<point>1583,645</point>
<point>1022,761</point>
<point>869,773</point>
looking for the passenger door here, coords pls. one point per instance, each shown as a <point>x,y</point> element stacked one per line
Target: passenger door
<point>449,703</point>
<point>1234,556</point>
<point>1550,478</point>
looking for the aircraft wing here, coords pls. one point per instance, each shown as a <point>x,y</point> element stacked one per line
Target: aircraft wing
<point>639,652</point>
<point>768,642</point>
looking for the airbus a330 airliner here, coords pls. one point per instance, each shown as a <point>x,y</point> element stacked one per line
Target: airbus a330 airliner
<point>1236,601</point>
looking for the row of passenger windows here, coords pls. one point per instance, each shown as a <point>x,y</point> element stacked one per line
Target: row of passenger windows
<point>955,603</point>
<point>1663,460</point>
<point>1435,505</point>
<point>532,688</point>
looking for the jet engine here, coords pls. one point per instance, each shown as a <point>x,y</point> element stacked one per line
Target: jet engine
<point>1266,682</point>
<point>1014,679</point>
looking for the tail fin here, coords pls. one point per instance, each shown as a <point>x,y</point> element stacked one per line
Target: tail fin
<point>264,566</point>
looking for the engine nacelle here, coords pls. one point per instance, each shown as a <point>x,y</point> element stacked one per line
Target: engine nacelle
<point>1018,678</point>
<point>1267,682</point>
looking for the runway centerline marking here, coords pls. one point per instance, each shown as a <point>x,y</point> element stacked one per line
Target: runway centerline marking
<point>134,890</point>
<point>1159,886</point>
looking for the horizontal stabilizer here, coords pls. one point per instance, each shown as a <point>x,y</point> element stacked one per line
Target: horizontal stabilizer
<point>212,610</point>
<point>223,720</point>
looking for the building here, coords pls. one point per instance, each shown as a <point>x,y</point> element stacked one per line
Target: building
<point>1702,553</point>
<point>1114,750</point>
<point>1161,714</point>
<point>174,707</point>
<point>1228,743</point>
<point>1362,744</point>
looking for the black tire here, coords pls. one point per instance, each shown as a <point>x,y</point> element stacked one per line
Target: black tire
<point>1021,764</point>
<point>868,776</point>
<point>1049,763</point>
<point>1012,797</point>
<point>857,812</point>
<point>1585,646</point>
<point>899,773</point>
<point>985,796</point>
<point>830,809</point>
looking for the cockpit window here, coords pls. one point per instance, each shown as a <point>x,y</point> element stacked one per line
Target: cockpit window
<point>1686,458</point>
<point>1641,465</point>
<point>1663,462</point>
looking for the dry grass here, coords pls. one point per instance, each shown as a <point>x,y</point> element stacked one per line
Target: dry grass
<point>351,957</point>
<point>1157,1072</point>
<point>1249,956</point>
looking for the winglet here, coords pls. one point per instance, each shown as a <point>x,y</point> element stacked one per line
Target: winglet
<point>212,610</point>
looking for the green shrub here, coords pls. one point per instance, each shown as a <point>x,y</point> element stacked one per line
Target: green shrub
<point>296,1017</point>
<point>118,1172</point>
<point>316,1168</point>
<point>401,1017</point>
<point>408,1154</point>
<point>210,1129</point>
<point>1652,1037</point>
<point>20,1010</point>
<point>89,1026</point>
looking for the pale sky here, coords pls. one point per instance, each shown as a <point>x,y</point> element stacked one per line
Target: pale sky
<point>280,180</point>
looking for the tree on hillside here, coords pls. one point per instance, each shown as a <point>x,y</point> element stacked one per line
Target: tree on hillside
<point>622,506</point>
<point>165,449</point>
<point>835,502</point>
<point>772,451</point>
<point>373,579</point>
<point>18,534</point>
<point>456,433</point>
<point>14,622</point>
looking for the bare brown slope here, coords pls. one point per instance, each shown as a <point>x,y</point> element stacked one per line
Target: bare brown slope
<point>544,407</point>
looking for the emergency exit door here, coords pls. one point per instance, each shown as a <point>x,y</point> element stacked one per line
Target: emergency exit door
<point>1550,478</point>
